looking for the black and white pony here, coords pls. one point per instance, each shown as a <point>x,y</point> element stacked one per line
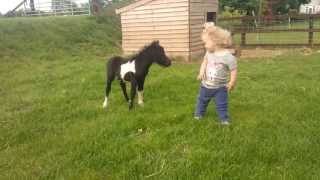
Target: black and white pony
<point>134,70</point>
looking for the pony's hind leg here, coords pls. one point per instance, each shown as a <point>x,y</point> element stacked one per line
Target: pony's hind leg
<point>110,78</point>
<point>133,90</point>
<point>124,90</point>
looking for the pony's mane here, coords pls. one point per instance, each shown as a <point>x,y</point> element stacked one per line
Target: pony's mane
<point>143,50</point>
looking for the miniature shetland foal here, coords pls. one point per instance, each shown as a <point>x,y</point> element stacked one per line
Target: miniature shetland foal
<point>134,70</point>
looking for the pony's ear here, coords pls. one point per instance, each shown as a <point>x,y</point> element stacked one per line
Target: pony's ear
<point>156,42</point>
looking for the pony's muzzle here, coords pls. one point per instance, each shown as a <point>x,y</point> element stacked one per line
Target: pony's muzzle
<point>168,62</point>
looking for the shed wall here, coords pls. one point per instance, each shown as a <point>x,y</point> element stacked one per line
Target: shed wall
<point>198,13</point>
<point>163,20</point>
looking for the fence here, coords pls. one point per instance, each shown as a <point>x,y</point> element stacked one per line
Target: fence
<point>276,31</point>
<point>51,8</point>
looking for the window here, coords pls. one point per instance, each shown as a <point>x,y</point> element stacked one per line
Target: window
<point>211,17</point>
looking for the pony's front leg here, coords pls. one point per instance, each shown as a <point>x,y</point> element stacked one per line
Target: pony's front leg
<point>140,92</point>
<point>133,92</point>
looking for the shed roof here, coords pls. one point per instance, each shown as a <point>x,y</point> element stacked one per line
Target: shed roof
<point>132,6</point>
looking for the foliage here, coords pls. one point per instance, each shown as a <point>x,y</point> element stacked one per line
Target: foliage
<point>243,6</point>
<point>284,6</point>
<point>259,6</point>
<point>52,125</point>
<point>230,12</point>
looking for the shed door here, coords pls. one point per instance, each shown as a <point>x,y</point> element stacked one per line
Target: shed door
<point>211,17</point>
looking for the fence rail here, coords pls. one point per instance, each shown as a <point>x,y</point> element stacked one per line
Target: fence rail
<point>276,31</point>
<point>51,8</point>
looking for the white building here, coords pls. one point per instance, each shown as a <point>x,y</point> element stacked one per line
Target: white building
<point>312,8</point>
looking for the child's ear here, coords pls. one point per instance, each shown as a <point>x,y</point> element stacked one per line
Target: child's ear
<point>236,51</point>
<point>208,24</point>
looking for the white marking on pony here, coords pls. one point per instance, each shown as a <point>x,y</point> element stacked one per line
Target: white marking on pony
<point>105,103</point>
<point>140,98</point>
<point>127,67</point>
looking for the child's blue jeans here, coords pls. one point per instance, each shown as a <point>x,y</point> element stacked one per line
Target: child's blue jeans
<point>221,99</point>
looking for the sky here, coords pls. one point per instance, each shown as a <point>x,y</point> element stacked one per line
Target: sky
<point>7,5</point>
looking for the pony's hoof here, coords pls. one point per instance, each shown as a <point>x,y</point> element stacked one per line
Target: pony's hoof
<point>130,104</point>
<point>141,104</point>
<point>105,104</point>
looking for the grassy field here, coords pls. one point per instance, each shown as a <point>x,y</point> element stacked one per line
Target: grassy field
<point>52,125</point>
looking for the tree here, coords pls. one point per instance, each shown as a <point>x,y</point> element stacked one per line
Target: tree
<point>284,6</point>
<point>32,7</point>
<point>260,6</point>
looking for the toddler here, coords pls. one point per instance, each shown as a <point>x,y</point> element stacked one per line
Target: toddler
<point>218,72</point>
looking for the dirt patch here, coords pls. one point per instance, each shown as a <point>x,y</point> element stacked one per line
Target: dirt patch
<point>271,53</point>
<point>257,53</point>
<point>261,53</point>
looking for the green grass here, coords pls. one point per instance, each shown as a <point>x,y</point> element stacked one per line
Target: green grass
<point>52,125</point>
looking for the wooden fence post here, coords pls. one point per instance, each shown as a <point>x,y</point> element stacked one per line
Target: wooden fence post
<point>311,30</point>
<point>243,33</point>
<point>243,38</point>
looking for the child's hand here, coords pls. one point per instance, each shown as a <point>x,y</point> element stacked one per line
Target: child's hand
<point>230,86</point>
<point>200,77</point>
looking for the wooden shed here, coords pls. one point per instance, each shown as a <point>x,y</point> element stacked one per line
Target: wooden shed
<point>177,24</point>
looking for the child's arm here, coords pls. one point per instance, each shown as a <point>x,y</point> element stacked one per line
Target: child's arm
<point>233,79</point>
<point>202,68</point>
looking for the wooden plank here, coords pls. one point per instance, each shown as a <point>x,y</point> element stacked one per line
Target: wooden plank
<point>165,45</point>
<point>136,12</point>
<point>208,9</point>
<point>164,33</point>
<point>200,7</point>
<point>164,19</point>
<point>195,38</point>
<point>204,5</point>
<point>162,41</point>
<point>150,11</point>
<point>197,26</point>
<point>198,51</point>
<point>167,1</point>
<point>154,28</point>
<point>203,1</point>
<point>165,23</point>
<point>197,13</point>
<point>197,43</point>
<point>157,37</point>
<point>196,17</point>
<point>163,6</point>
<point>152,15</point>
<point>196,31</point>
<point>166,49</point>
<point>196,48</point>
<point>196,22</point>
<point>152,32</point>
<point>169,53</point>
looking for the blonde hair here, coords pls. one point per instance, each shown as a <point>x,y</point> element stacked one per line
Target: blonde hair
<point>214,36</point>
